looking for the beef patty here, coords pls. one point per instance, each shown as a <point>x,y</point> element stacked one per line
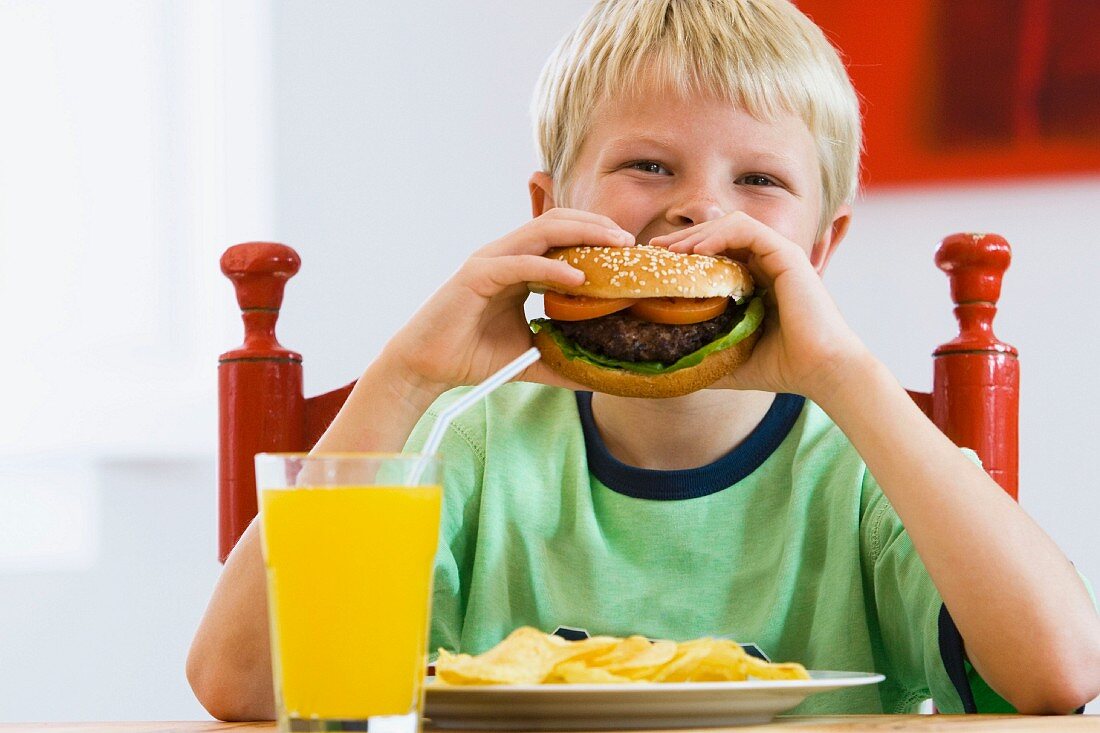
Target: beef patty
<point>626,338</point>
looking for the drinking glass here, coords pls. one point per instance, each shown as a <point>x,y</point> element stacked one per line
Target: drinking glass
<point>348,544</point>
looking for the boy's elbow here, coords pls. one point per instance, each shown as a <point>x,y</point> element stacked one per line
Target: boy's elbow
<point>223,693</point>
<point>1060,700</point>
<point>1065,688</point>
<point>209,691</point>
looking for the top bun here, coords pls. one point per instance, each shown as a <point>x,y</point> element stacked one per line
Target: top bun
<point>644,271</point>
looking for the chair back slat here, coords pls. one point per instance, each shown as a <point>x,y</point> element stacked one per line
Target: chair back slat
<point>923,400</point>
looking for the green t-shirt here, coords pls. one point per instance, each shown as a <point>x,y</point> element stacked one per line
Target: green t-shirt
<point>787,542</point>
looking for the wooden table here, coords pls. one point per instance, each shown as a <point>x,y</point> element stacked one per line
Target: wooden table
<point>786,724</point>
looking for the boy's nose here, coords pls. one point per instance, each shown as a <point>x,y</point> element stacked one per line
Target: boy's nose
<point>694,210</point>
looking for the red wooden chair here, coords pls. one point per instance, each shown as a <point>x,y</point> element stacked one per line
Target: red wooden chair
<point>974,398</point>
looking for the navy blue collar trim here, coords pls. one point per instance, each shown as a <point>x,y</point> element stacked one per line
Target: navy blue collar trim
<point>690,483</point>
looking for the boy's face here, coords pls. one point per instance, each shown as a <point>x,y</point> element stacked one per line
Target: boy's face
<point>656,163</point>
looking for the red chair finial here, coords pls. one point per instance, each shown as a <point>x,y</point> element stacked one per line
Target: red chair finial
<point>975,265</point>
<point>259,271</point>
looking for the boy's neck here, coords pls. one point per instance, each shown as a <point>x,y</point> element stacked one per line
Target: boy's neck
<point>684,432</point>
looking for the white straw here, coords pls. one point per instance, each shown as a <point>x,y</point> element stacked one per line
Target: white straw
<point>435,437</point>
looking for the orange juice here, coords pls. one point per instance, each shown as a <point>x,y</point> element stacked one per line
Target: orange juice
<point>349,587</point>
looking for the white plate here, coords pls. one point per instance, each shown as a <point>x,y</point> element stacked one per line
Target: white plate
<point>637,705</point>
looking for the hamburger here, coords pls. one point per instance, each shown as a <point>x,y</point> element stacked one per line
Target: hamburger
<point>647,322</point>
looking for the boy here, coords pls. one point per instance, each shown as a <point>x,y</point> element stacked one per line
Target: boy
<point>803,503</point>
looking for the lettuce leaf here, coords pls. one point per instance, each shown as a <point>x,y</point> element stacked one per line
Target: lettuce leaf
<point>750,321</point>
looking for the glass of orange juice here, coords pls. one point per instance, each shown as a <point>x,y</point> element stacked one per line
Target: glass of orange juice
<point>348,543</point>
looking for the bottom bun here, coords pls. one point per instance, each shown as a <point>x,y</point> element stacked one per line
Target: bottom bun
<point>624,383</point>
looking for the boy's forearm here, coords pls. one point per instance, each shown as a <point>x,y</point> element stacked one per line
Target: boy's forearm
<point>1030,628</point>
<point>381,411</point>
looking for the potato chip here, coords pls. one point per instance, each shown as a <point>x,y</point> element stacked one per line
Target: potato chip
<point>635,653</point>
<point>528,656</point>
<point>635,657</point>
<point>688,656</point>
<point>586,649</point>
<point>579,672</point>
<point>463,669</point>
<point>762,670</point>
<point>724,662</point>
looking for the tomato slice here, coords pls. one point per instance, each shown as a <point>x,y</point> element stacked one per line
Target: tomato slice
<point>578,307</point>
<point>679,311</point>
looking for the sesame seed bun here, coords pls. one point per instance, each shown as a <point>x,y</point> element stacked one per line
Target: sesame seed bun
<point>649,272</point>
<point>632,384</point>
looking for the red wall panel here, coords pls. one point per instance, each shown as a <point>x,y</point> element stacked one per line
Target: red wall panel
<point>971,89</point>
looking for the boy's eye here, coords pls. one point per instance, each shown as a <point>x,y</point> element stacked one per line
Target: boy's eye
<point>756,179</point>
<point>648,166</point>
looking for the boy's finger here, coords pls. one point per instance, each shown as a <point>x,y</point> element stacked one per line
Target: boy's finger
<point>666,240</point>
<point>687,246</point>
<point>491,275</point>
<point>581,215</point>
<point>772,253</point>
<point>543,234</point>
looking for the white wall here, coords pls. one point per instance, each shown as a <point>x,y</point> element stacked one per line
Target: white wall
<point>130,132</point>
<point>138,139</point>
<point>96,620</point>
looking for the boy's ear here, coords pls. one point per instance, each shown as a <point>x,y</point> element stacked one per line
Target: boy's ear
<point>541,187</point>
<point>825,246</point>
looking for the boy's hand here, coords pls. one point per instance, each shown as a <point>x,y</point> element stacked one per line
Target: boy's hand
<point>806,344</point>
<point>475,324</point>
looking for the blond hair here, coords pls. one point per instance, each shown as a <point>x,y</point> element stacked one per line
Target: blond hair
<point>762,55</point>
